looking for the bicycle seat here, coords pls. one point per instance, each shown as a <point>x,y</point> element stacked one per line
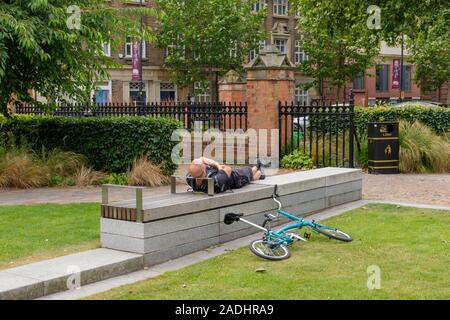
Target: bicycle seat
<point>270,217</point>
<point>230,218</point>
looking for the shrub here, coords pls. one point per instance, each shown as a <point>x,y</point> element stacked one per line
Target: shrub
<point>110,144</point>
<point>436,118</point>
<point>22,167</point>
<point>362,154</point>
<point>145,173</point>
<point>85,176</point>
<point>297,160</point>
<point>63,163</point>
<point>422,150</point>
<point>120,179</point>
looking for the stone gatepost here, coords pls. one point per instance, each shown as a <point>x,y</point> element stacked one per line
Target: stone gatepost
<point>270,79</point>
<point>233,88</point>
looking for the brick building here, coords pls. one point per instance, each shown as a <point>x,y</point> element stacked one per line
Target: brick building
<point>158,85</point>
<point>375,84</point>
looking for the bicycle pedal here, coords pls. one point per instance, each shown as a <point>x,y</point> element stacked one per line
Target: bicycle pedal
<point>295,237</point>
<point>307,235</point>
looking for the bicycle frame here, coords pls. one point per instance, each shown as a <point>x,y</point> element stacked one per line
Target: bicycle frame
<point>279,236</point>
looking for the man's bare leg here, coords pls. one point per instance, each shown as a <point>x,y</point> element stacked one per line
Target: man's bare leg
<point>256,173</point>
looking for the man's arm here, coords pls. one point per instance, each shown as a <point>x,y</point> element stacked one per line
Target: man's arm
<point>218,166</point>
<point>211,163</point>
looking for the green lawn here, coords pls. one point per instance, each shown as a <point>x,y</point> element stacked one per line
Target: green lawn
<point>37,232</point>
<point>411,246</point>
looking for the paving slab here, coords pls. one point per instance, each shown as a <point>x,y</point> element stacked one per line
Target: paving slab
<point>50,276</point>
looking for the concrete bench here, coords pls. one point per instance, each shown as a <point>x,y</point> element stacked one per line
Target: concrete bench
<point>174,225</point>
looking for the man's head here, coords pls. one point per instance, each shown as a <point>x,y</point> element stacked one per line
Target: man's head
<point>196,170</point>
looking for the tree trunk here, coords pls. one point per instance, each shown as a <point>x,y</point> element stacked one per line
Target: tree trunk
<point>448,92</point>
<point>217,86</point>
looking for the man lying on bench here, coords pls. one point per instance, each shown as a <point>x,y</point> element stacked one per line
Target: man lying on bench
<point>225,177</point>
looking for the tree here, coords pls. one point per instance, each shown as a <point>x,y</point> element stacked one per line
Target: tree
<point>337,40</point>
<point>203,37</point>
<point>430,52</point>
<point>340,43</point>
<point>55,47</point>
<point>426,27</point>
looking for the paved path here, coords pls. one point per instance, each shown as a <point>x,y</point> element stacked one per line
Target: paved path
<point>69,195</point>
<point>419,188</point>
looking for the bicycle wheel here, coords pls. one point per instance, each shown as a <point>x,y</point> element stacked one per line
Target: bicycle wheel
<point>269,251</point>
<point>333,233</point>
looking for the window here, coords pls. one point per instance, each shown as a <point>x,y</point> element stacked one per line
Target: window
<point>176,48</point>
<point>406,78</point>
<point>102,93</point>
<point>106,49</point>
<point>382,82</point>
<point>253,53</point>
<point>168,92</point>
<point>280,7</point>
<point>134,92</point>
<point>233,49</point>
<point>129,48</point>
<point>301,96</point>
<point>281,45</point>
<point>202,94</point>
<point>300,54</point>
<point>258,5</point>
<point>358,82</point>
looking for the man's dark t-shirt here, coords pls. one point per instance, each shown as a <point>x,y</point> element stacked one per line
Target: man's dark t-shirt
<point>221,181</point>
<point>239,178</point>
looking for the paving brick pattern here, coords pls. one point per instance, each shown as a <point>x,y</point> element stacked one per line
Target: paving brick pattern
<point>420,188</point>
<point>423,188</point>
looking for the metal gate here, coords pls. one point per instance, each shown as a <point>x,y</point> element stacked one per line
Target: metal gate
<point>323,130</point>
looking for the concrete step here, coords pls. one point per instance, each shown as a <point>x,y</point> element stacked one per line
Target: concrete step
<point>60,274</point>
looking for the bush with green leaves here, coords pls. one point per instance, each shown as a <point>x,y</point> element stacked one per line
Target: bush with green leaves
<point>436,118</point>
<point>109,144</point>
<point>297,160</point>
<point>120,179</point>
<point>422,150</point>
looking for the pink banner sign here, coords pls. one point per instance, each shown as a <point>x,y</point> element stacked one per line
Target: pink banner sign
<point>396,74</point>
<point>136,60</point>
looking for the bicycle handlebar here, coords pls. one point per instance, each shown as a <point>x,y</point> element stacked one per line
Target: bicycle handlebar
<point>275,192</point>
<point>275,195</point>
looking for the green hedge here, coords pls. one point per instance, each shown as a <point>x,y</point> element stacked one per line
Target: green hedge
<point>110,144</point>
<point>436,118</point>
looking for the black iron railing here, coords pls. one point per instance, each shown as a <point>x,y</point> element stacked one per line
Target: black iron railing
<point>207,115</point>
<point>323,130</point>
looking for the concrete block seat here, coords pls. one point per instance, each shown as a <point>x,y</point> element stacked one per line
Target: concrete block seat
<point>174,225</point>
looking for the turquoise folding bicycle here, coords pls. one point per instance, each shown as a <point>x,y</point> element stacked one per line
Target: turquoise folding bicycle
<point>274,244</point>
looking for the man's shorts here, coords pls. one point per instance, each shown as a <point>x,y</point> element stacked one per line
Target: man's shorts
<point>242,177</point>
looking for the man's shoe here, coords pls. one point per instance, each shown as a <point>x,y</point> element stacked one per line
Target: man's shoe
<point>260,166</point>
